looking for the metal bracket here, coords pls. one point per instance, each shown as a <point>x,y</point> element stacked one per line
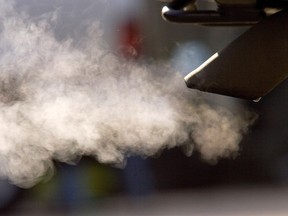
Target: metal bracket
<point>224,15</point>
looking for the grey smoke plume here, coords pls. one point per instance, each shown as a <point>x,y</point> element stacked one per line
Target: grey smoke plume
<point>62,99</point>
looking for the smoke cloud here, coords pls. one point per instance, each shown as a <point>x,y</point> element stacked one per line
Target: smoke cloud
<point>62,99</point>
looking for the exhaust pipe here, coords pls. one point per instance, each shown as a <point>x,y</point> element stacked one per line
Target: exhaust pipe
<point>251,66</point>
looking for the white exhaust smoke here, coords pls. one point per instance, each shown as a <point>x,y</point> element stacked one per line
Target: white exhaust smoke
<point>60,100</point>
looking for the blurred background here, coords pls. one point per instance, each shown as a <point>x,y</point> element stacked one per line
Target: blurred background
<point>254,183</point>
